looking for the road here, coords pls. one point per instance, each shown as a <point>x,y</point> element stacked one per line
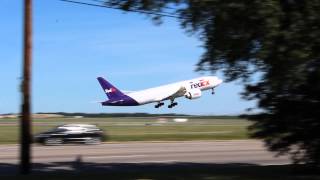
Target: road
<point>238,151</point>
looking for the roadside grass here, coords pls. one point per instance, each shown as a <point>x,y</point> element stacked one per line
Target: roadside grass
<point>140,129</point>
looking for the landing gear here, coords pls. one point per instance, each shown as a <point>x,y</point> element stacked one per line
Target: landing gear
<point>169,106</point>
<point>172,104</point>
<point>212,91</point>
<point>159,104</point>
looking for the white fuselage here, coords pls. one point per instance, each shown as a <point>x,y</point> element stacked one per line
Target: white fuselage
<point>155,94</point>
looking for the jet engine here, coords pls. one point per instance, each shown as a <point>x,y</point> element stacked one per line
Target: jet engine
<point>193,94</point>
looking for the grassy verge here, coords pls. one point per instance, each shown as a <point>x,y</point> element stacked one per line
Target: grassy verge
<point>140,129</point>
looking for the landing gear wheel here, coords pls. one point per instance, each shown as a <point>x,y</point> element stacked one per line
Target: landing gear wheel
<point>172,105</point>
<point>159,105</point>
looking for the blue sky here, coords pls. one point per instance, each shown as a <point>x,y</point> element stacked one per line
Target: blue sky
<point>74,44</point>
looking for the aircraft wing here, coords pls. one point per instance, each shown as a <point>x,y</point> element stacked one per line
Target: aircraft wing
<point>172,93</point>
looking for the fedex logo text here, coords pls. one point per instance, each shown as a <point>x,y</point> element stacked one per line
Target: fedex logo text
<point>110,90</point>
<point>200,84</point>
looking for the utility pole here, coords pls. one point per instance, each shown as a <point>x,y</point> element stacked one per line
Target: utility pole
<point>25,121</point>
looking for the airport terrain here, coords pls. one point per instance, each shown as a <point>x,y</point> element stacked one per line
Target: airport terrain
<point>229,159</point>
<point>149,148</point>
<point>140,128</point>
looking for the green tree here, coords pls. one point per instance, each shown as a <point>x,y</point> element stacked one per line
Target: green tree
<point>275,40</point>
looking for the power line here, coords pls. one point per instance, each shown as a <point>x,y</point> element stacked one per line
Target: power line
<point>131,10</point>
<point>105,2</point>
<point>167,14</point>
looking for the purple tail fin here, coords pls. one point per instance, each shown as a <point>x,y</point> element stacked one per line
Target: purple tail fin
<point>111,91</point>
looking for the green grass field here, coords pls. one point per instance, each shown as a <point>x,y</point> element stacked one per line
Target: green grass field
<point>140,129</point>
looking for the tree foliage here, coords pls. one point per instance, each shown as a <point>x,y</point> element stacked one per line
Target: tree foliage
<point>275,40</point>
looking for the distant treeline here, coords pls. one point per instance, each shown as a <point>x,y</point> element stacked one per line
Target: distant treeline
<point>101,115</point>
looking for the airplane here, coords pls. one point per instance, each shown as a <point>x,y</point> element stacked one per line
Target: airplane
<point>190,89</point>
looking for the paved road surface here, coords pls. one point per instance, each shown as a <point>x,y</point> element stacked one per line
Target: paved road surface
<point>246,151</point>
<point>235,151</point>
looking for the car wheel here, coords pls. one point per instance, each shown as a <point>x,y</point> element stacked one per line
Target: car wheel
<point>53,141</point>
<point>94,140</point>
